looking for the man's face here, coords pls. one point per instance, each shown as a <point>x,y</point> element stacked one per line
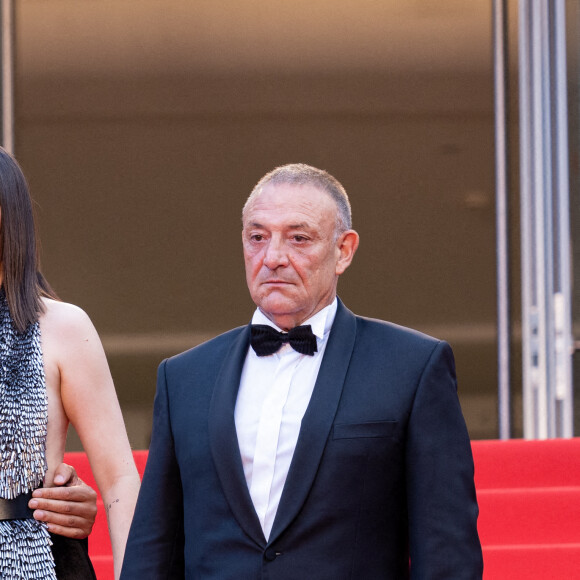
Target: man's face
<point>292,258</point>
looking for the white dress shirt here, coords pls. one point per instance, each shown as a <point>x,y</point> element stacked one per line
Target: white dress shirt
<point>274,393</point>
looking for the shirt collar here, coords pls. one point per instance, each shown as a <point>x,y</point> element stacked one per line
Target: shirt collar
<point>321,322</point>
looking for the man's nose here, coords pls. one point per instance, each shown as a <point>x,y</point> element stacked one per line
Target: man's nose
<point>276,254</point>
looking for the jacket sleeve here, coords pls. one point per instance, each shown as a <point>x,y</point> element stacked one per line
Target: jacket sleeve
<point>156,538</point>
<point>442,505</point>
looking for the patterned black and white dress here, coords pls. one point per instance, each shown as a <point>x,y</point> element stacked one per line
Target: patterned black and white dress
<point>25,545</point>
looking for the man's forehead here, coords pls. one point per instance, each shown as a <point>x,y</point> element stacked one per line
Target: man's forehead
<point>289,217</point>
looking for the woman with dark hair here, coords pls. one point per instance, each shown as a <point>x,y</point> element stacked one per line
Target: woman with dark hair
<point>53,371</point>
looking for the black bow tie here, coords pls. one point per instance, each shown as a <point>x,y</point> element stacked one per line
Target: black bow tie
<point>267,340</point>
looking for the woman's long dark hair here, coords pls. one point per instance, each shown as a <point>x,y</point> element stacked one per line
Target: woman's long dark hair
<point>22,280</point>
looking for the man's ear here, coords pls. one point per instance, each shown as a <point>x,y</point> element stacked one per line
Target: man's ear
<point>346,246</point>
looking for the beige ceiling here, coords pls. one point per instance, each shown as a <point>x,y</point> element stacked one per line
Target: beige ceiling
<point>141,37</point>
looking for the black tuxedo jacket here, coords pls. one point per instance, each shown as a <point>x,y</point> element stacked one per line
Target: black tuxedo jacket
<point>380,486</point>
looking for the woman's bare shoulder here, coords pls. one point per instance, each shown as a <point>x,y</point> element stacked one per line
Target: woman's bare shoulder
<point>64,319</point>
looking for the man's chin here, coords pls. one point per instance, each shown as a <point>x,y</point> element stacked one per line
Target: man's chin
<point>278,299</point>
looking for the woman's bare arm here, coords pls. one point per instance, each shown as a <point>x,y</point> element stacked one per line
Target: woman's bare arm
<point>88,399</point>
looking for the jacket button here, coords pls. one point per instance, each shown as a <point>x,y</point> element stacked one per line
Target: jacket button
<point>270,554</point>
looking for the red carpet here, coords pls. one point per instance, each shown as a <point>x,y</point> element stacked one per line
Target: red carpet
<point>529,499</point>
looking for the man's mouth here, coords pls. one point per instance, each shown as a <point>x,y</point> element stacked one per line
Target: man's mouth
<point>275,282</point>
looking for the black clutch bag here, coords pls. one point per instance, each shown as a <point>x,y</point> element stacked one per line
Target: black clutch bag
<point>71,558</point>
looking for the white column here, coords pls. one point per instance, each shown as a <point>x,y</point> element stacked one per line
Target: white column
<point>545,230</point>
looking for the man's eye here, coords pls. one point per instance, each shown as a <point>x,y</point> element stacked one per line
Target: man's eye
<point>300,238</point>
<point>256,237</point>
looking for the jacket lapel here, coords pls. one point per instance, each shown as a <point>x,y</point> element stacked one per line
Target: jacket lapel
<point>224,441</point>
<point>317,420</point>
